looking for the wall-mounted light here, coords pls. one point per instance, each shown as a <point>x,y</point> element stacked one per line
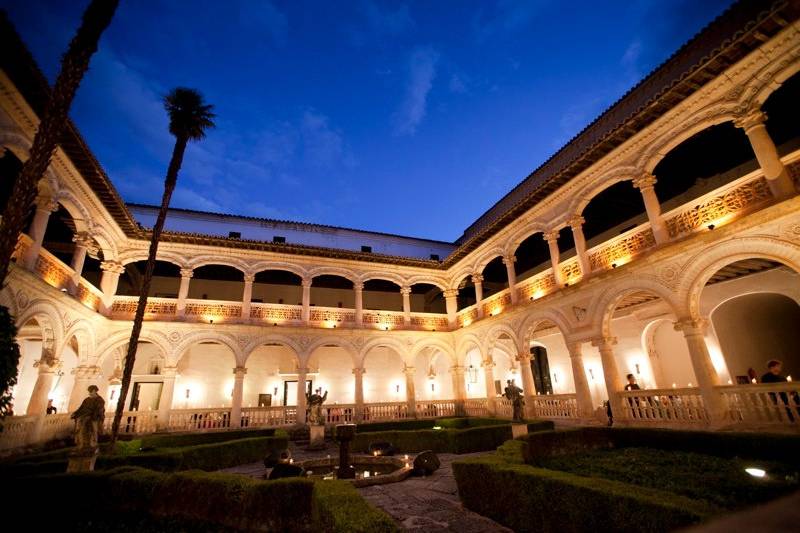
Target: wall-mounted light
<point>711,227</point>
<point>473,374</point>
<point>397,388</point>
<point>210,320</point>
<point>274,391</point>
<point>637,368</point>
<point>613,265</point>
<point>188,393</point>
<point>275,324</point>
<point>591,374</point>
<point>433,387</point>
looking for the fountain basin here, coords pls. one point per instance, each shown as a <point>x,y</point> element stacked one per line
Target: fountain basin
<point>380,470</point>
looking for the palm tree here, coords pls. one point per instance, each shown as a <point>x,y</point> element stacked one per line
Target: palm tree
<point>74,64</point>
<point>189,118</point>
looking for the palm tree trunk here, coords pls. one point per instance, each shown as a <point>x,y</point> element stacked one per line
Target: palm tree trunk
<point>127,371</point>
<point>74,64</point>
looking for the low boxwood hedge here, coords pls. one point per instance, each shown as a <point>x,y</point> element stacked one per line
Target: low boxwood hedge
<point>202,457</point>
<point>526,498</point>
<point>170,440</point>
<point>472,439</point>
<point>136,499</point>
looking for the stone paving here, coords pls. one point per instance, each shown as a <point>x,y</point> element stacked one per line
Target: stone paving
<point>417,504</point>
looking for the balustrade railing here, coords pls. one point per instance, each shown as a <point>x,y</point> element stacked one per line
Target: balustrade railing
<point>133,422</point>
<point>504,407</point>
<point>383,319</point>
<point>476,407</point>
<point>768,404</point>
<point>622,248</point>
<point>216,310</point>
<point>18,431</point>
<point>199,419</point>
<point>339,413</point>
<point>495,303</point>
<point>124,308</point>
<point>268,416</point>
<point>559,406</point>
<point>429,321</point>
<point>435,408</point>
<point>537,286</point>
<point>331,316</point>
<point>467,316</point>
<point>663,407</point>
<point>276,313</point>
<point>375,412</point>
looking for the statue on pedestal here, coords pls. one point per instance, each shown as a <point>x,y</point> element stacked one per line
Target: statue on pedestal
<point>89,421</point>
<point>514,393</point>
<point>314,402</point>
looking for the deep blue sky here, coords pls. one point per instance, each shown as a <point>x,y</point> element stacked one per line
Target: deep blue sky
<point>402,117</point>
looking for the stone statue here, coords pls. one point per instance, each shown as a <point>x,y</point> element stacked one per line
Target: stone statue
<point>514,393</point>
<point>314,402</point>
<point>89,420</point>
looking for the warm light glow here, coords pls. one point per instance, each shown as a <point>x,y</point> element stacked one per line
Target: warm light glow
<point>331,324</point>
<point>437,427</point>
<point>755,472</point>
<point>789,377</point>
<point>538,293</point>
<point>496,311</point>
<point>753,381</point>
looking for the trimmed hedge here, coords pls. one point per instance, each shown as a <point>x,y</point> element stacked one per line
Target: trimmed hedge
<point>526,498</point>
<point>765,446</point>
<point>143,500</point>
<point>473,439</point>
<point>202,457</point>
<point>168,440</point>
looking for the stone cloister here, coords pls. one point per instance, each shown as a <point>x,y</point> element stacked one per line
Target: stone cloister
<point>695,286</point>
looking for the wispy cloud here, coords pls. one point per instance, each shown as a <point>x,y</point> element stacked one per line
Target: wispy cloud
<point>422,71</point>
<point>505,17</point>
<point>266,18</point>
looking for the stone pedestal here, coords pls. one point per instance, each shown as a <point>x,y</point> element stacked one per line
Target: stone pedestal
<point>82,461</point>
<point>518,430</point>
<point>317,437</point>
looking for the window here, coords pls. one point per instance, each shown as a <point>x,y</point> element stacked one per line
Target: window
<point>435,257</point>
<point>278,239</point>
<point>367,249</point>
<point>235,234</point>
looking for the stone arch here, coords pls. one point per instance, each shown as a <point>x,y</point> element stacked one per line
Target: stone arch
<point>487,258</point>
<point>387,342</point>
<point>707,262</point>
<point>305,356</point>
<point>105,241</point>
<point>202,261</point>
<point>117,340</point>
<point>437,282</point>
<point>582,198</point>
<point>274,265</point>
<point>499,330</point>
<point>51,324</point>
<point>333,271</point>
<point>606,303</point>
<point>397,279</point>
<point>204,336</point>
<point>259,341</point>
<point>514,242</point>
<point>464,342</point>
<point>131,256</point>
<point>459,275</point>
<point>767,81</point>
<point>84,336</point>
<point>438,344</point>
<point>80,215</point>
<point>528,326</point>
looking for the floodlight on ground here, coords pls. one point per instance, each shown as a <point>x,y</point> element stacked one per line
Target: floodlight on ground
<point>756,472</point>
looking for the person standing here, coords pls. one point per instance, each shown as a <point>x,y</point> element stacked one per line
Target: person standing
<point>774,375</point>
<point>51,409</point>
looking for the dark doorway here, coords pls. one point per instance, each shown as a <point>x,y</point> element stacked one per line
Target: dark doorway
<point>541,370</point>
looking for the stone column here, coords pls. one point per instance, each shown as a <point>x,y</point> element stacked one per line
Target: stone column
<point>411,397</point>
<point>358,383</point>
<point>108,284</point>
<point>605,345</point>
<point>84,376</point>
<point>508,261</point>
<point>358,288</point>
<point>83,241</point>
<point>238,392</point>
<point>694,331</point>
<point>406,292</point>
<point>459,388</point>
<point>754,125</point>
<point>183,291</point>
<point>646,185</point>
<point>301,394</point>
<point>44,382</point>
<point>488,377</point>
<point>44,206</point>
<point>582,392</point>
<point>576,223</point>
<point>555,257</point>
<point>167,394</point>
<point>247,295</point>
<point>477,280</point>
<point>451,301</point>
<point>528,385</point>
<point>306,312</point>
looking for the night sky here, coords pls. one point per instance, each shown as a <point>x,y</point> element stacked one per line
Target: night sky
<point>401,117</point>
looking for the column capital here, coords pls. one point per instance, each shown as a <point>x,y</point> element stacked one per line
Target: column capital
<point>692,326</point>
<point>576,222</point>
<point>604,342</point>
<point>509,259</point>
<point>409,370</point>
<point>750,120</point>
<point>169,372</point>
<point>86,372</point>
<point>405,289</point>
<point>450,293</point>
<point>187,273</point>
<point>239,371</point>
<point>358,371</point>
<point>457,369</point>
<point>358,286</point>
<point>646,181</point>
<point>249,278</point>
<point>522,357</point>
<point>302,370</point>
<point>84,239</point>
<point>114,267</point>
<point>46,203</point>
<point>306,282</point>
<point>477,278</point>
<point>575,348</point>
<point>48,363</point>
<point>551,236</point>
<point>488,363</point>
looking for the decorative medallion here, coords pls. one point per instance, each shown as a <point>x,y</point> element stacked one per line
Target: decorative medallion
<point>579,312</point>
<point>174,337</point>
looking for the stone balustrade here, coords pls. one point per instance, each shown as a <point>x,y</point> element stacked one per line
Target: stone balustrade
<point>555,406</point>
<point>766,404</point>
<point>663,407</point>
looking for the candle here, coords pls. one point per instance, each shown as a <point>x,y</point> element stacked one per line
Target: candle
<point>789,377</point>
